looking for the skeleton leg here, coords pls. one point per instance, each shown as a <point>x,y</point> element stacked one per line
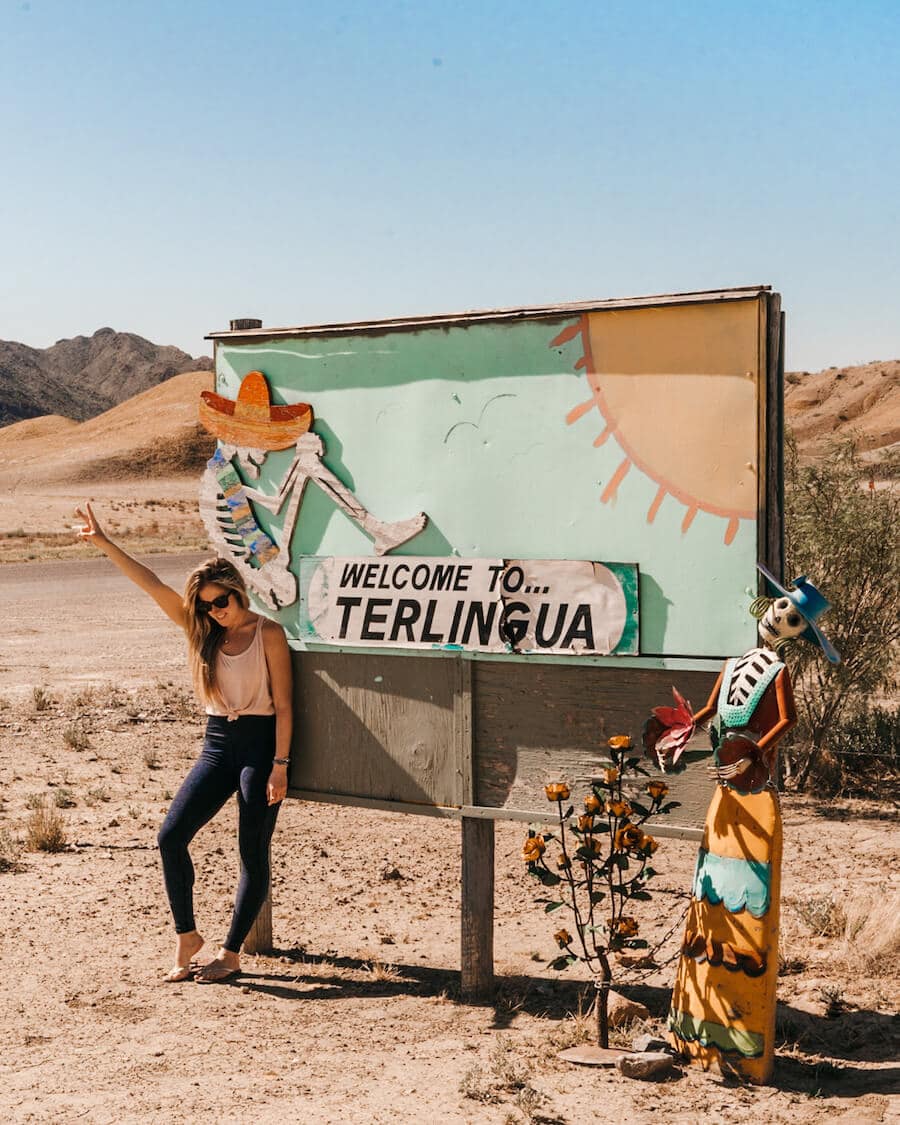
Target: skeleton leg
<point>386,536</point>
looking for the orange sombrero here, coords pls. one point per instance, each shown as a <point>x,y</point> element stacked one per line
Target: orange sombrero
<point>251,421</point>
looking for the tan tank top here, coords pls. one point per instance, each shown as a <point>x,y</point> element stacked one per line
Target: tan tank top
<point>244,681</point>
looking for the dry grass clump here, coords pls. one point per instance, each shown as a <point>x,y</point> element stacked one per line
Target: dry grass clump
<point>75,736</point>
<point>41,700</point>
<point>45,830</point>
<point>506,1078</point>
<point>872,932</point>
<point>864,928</point>
<point>823,915</point>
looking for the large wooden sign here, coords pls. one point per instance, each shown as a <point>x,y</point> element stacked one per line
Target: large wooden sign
<point>428,506</point>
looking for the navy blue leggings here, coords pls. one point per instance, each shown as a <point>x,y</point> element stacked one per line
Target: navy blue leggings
<point>236,758</point>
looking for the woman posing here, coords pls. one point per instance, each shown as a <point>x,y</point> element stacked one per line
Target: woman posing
<point>241,668</point>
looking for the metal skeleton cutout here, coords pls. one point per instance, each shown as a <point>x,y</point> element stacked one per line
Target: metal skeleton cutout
<point>248,428</point>
<point>723,1000</point>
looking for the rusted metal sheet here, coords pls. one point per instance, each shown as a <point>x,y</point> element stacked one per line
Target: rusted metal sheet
<point>476,316</point>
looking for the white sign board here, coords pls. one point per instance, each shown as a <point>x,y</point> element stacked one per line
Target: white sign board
<point>476,605</point>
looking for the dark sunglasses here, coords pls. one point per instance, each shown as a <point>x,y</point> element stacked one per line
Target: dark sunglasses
<point>218,603</point>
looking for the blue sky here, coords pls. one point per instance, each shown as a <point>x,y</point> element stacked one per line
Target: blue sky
<point>166,166</point>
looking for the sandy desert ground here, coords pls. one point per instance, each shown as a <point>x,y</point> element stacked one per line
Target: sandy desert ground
<point>357,1011</point>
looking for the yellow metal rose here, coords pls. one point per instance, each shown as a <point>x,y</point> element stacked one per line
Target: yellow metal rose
<point>557,791</point>
<point>611,775</point>
<point>592,803</point>
<point>628,837</point>
<point>563,937</point>
<point>626,927</point>
<point>619,742</point>
<point>563,862</point>
<point>657,789</point>
<point>618,808</point>
<point>533,848</point>
<point>586,823</point>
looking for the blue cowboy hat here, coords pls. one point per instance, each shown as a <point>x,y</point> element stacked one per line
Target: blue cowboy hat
<point>810,604</point>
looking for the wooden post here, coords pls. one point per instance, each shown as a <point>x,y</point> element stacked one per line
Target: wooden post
<point>477,908</point>
<point>259,940</point>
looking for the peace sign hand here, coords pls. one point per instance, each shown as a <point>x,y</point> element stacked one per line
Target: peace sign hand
<point>91,531</point>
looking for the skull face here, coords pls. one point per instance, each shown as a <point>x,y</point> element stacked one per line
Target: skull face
<point>781,621</point>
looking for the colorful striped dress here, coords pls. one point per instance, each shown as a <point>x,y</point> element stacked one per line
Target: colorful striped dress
<point>723,1001</point>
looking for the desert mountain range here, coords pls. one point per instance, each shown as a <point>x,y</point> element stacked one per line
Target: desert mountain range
<point>83,377</point>
<point>153,430</point>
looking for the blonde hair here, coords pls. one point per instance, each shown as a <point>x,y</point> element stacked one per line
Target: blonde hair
<point>203,634</point>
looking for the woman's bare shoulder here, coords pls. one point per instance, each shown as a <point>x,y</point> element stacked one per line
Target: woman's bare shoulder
<point>272,632</point>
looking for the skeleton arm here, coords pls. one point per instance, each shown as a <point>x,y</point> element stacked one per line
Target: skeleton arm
<point>787,712</point>
<point>712,704</point>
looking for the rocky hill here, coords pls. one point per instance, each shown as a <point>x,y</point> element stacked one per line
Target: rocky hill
<point>85,376</point>
<point>153,434</point>
<point>843,402</point>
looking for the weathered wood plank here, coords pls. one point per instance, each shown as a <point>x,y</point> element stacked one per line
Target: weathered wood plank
<point>477,909</point>
<point>538,723</point>
<point>370,725</point>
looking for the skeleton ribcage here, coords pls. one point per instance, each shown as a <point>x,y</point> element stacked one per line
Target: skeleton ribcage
<point>748,671</point>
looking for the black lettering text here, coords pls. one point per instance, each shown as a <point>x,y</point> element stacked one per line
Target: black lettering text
<point>407,615</point>
<point>543,641</point>
<point>372,617</point>
<point>349,605</point>
<point>581,628</point>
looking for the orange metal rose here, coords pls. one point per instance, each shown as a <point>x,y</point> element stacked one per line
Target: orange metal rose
<point>592,803</point>
<point>533,848</point>
<point>649,845</point>
<point>586,823</point>
<point>563,862</point>
<point>657,789</point>
<point>563,938</point>
<point>626,927</point>
<point>592,844</point>
<point>618,808</point>
<point>557,791</point>
<point>628,837</point>
<point>619,742</point>
<point>611,776</point>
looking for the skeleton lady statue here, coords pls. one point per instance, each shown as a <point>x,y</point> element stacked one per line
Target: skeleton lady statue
<point>723,1002</point>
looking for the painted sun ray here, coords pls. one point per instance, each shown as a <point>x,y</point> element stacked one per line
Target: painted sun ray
<point>579,411</point>
<point>693,487</point>
<point>654,507</point>
<point>618,476</point>
<point>601,438</point>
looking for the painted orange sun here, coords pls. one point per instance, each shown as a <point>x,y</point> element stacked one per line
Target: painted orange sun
<point>677,390</point>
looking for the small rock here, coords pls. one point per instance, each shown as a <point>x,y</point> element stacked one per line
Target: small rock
<point>649,1043</point>
<point>622,1010</point>
<point>649,1064</point>
<point>389,872</point>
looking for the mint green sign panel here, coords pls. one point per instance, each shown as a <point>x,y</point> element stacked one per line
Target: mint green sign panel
<point>629,434</point>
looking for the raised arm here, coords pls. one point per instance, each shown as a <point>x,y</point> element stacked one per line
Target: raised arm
<point>168,600</point>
